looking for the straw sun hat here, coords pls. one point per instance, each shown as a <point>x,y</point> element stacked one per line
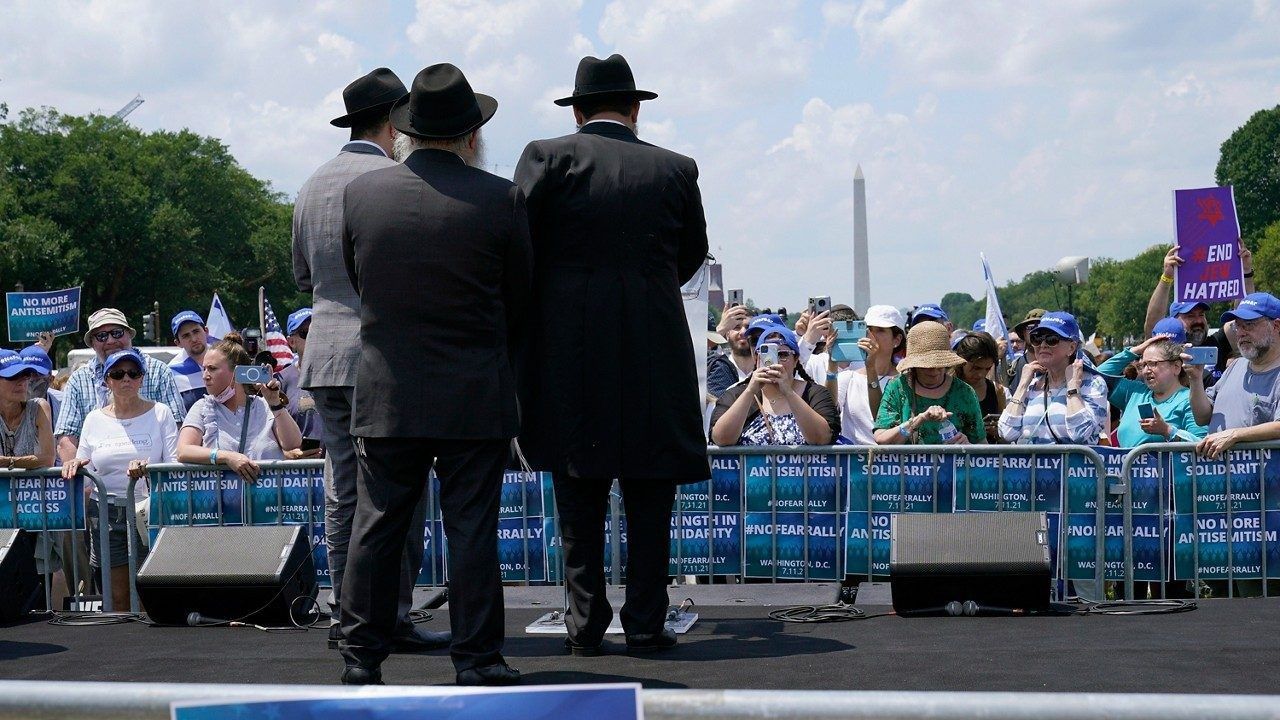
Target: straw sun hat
<point>929,346</point>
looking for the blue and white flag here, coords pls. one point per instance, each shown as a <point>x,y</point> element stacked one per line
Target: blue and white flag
<point>995,325</point>
<point>219,324</point>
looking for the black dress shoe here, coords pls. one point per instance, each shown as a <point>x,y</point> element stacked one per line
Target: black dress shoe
<point>335,636</point>
<point>577,650</point>
<point>356,675</point>
<point>498,673</point>
<point>651,642</point>
<point>418,640</point>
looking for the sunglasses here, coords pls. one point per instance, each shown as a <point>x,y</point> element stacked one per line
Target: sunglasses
<point>1045,340</point>
<point>119,374</point>
<point>102,335</point>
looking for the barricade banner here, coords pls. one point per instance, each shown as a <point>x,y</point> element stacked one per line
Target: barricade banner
<point>791,545</point>
<point>1226,515</point>
<point>1018,483</point>
<point>521,548</point>
<point>899,482</point>
<point>195,497</point>
<point>1148,484</point>
<point>41,502</point>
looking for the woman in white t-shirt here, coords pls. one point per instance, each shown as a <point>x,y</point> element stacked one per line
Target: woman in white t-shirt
<point>859,397</point>
<point>116,443</point>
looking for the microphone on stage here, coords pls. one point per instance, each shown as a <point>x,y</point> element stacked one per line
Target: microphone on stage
<point>954,608</point>
<point>195,619</point>
<point>972,608</point>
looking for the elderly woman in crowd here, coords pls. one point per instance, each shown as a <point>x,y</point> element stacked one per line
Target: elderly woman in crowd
<point>234,427</point>
<point>860,390</point>
<point>1057,400</point>
<point>981,353</point>
<point>925,404</point>
<point>1155,407</point>
<point>117,442</point>
<point>779,404</point>
<point>26,430</point>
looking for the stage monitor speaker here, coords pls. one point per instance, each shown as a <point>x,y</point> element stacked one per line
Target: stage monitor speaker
<point>985,563</point>
<point>19,583</point>
<point>248,574</point>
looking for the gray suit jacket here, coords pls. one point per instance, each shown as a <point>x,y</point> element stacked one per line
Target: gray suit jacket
<point>333,344</point>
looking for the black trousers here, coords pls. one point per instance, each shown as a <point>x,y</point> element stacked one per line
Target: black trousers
<point>582,505</point>
<point>391,477</point>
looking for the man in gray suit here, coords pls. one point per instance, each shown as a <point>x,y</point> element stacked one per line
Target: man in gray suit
<point>333,350</point>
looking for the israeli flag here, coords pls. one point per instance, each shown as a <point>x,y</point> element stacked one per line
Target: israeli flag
<point>219,324</point>
<point>995,325</point>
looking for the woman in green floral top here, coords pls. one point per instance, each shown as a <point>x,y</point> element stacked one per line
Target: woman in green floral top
<point>918,402</point>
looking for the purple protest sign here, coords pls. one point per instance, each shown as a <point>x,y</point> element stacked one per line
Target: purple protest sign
<point>1209,245</point>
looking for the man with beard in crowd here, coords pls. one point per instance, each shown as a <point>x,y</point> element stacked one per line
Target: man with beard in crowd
<point>725,369</point>
<point>190,334</point>
<point>1192,314</point>
<point>438,251</point>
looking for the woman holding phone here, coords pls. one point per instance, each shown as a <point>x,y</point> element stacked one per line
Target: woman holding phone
<point>1155,407</point>
<point>779,404</point>
<point>238,424</point>
<point>981,353</point>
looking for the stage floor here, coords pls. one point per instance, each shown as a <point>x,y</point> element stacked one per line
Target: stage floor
<point>1226,646</point>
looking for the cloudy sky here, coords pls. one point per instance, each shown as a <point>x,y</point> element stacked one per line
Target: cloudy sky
<point>1026,130</point>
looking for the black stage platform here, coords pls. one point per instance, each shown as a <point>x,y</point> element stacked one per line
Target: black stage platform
<point>1226,646</point>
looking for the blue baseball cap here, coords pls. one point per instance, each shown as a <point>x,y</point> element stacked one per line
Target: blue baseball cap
<point>35,355</point>
<point>1171,326</point>
<point>12,364</point>
<point>121,355</point>
<point>185,316</point>
<point>1060,323</point>
<point>1179,308</point>
<point>296,319</point>
<point>1254,306</point>
<point>980,325</point>
<point>785,336</point>
<point>760,322</point>
<point>929,310</point>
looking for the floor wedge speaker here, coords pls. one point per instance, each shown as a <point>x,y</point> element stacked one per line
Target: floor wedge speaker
<point>969,563</point>
<point>19,583</point>
<point>249,574</point>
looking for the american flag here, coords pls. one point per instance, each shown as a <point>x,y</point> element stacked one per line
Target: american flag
<point>277,344</point>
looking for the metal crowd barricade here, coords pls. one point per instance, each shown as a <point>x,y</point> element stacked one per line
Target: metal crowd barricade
<point>939,455</point>
<point>1168,514</point>
<point>77,498</point>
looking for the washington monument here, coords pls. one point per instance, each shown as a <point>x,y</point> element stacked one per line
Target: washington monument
<point>861,272</point>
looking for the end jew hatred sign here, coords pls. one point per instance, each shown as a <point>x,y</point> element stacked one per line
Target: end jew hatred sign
<point>1209,245</point>
<point>31,313</point>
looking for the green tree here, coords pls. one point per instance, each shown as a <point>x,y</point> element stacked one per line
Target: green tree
<point>137,218</point>
<point>1250,162</point>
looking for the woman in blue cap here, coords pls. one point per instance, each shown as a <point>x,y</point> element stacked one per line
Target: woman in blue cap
<point>778,404</point>
<point>117,442</point>
<point>1056,399</point>
<point>26,427</point>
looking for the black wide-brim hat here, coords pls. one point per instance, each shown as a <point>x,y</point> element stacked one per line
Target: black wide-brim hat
<point>441,105</point>
<point>598,78</point>
<point>380,88</point>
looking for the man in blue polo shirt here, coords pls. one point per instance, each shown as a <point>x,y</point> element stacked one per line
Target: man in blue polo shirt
<point>190,334</point>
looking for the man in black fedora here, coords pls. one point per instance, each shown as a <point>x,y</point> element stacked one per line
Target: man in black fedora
<point>611,388</point>
<point>329,365</point>
<point>439,253</point>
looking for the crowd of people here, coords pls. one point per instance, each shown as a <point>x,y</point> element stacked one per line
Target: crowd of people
<point>918,380</point>
<point>389,391</point>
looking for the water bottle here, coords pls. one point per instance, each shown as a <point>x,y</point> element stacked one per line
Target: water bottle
<point>947,430</point>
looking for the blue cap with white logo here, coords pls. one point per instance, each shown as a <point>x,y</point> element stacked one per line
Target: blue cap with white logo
<point>760,322</point>
<point>779,333</point>
<point>12,364</point>
<point>296,319</point>
<point>1254,306</point>
<point>1059,323</point>
<point>1173,327</point>
<point>929,311</point>
<point>35,356</point>
<point>122,355</point>
<point>185,316</point>
<point>1181,308</point>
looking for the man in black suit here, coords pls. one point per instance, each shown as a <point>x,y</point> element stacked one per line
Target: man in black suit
<point>439,252</point>
<point>611,388</point>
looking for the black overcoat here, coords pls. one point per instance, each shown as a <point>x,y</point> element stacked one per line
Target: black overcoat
<point>611,389</point>
<point>439,253</point>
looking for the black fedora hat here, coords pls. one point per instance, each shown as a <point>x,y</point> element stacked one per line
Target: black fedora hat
<point>610,76</point>
<point>378,88</point>
<point>441,105</point>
